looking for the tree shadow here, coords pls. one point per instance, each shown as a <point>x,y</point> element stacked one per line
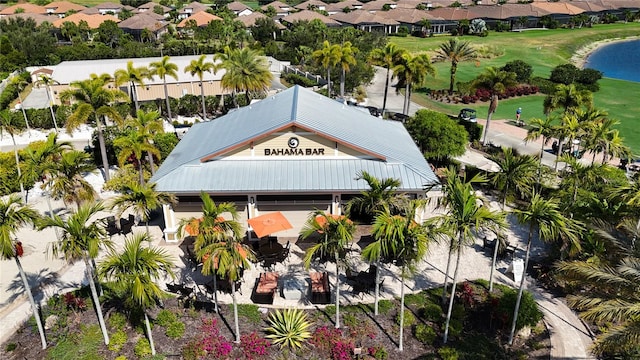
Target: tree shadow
<point>367,310</point>
<point>38,282</point>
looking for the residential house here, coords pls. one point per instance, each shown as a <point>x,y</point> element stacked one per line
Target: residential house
<point>150,7</point>
<point>147,22</point>
<point>307,15</point>
<point>201,19</point>
<point>191,9</point>
<point>25,8</point>
<point>61,8</point>
<point>239,8</point>
<point>312,5</point>
<point>366,21</point>
<point>250,20</point>
<point>107,8</point>
<point>281,8</point>
<point>94,20</point>
<point>38,18</point>
<point>335,8</point>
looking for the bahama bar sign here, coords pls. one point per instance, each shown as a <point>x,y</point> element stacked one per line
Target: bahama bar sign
<point>294,150</point>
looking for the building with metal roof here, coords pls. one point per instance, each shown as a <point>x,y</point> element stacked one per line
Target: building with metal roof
<point>295,151</point>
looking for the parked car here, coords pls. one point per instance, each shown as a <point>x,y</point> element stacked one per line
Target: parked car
<point>467,114</point>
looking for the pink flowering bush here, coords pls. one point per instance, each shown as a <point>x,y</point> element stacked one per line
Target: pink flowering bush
<point>330,341</point>
<point>253,345</point>
<point>208,344</point>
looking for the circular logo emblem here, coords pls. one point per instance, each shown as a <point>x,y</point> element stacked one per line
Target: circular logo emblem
<point>293,142</point>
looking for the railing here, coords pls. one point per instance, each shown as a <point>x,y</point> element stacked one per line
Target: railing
<point>292,70</point>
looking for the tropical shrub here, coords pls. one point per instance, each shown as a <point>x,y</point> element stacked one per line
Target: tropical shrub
<point>384,306</point>
<point>253,345</point>
<point>437,135</point>
<point>142,348</point>
<point>250,312</point>
<point>431,312</point>
<point>378,352</point>
<point>288,328</point>
<point>117,321</point>
<point>175,330</point>
<point>528,314</point>
<point>296,79</point>
<point>165,142</point>
<point>522,70</point>
<point>409,318</point>
<point>117,340</point>
<point>425,334</point>
<point>209,342</point>
<point>447,353</point>
<point>165,318</point>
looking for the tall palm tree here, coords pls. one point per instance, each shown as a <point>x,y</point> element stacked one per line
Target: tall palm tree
<point>496,81</point>
<point>47,81</point>
<point>21,85</point>
<point>212,227</point>
<point>610,296</point>
<point>464,217</point>
<point>163,68</point>
<point>13,215</point>
<point>576,175</point>
<point>570,128</point>
<point>347,58</point>
<point>517,173</point>
<point>401,237</point>
<point>599,135</point>
<point>228,259</point>
<point>545,216</point>
<point>132,76</point>
<point>337,234</point>
<point>327,57</point>
<point>198,68</point>
<point>412,70</point>
<point>81,239</point>
<point>386,57</point>
<point>134,145</point>
<point>455,51</point>
<point>567,98</point>
<point>135,272</point>
<point>245,71</point>
<point>147,125</point>
<point>7,126</point>
<point>67,182</point>
<point>544,128</point>
<point>94,102</point>
<point>142,199</point>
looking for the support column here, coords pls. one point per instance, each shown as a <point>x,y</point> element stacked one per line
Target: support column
<point>171,226</point>
<point>336,209</point>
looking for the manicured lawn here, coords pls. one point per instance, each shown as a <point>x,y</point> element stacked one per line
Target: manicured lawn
<point>543,49</point>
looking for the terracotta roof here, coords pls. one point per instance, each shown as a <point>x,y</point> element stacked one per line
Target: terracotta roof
<point>250,20</point>
<point>589,6</point>
<point>108,5</point>
<point>307,15</point>
<point>38,18</point>
<point>237,6</point>
<point>505,11</point>
<point>202,18</point>
<point>28,9</point>
<point>42,71</point>
<point>408,16</point>
<point>151,5</point>
<point>317,3</point>
<point>61,7</point>
<point>558,8</point>
<point>277,5</point>
<point>144,20</point>
<point>93,20</point>
<point>452,14</point>
<point>362,17</point>
<point>194,6</point>
<point>351,4</point>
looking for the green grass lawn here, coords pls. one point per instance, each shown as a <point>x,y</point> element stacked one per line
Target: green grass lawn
<point>543,50</point>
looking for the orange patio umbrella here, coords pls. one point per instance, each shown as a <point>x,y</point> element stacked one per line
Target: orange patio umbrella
<point>270,223</point>
<point>322,219</point>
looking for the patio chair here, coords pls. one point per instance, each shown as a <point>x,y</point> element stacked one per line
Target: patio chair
<point>284,255</point>
<point>319,288</point>
<point>126,225</point>
<point>265,289</point>
<point>112,227</point>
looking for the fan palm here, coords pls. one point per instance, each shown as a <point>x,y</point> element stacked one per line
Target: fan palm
<point>496,81</point>
<point>412,70</point>
<point>147,125</point>
<point>131,76</point>
<point>142,199</point>
<point>7,126</point>
<point>517,173</point>
<point>47,81</point>
<point>464,217</point>
<point>134,145</point>
<point>244,71</point>
<point>94,102</point>
<point>347,52</point>
<point>337,234</point>
<point>163,68</point>
<point>402,238</point>
<point>327,57</point>
<point>199,67</point>
<point>13,215</point>
<point>455,51</point>
<point>67,182</point>
<point>81,239</point>
<point>545,216</point>
<point>386,57</point>
<point>135,271</point>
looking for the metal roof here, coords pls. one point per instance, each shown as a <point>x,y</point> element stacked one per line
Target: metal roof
<point>393,152</point>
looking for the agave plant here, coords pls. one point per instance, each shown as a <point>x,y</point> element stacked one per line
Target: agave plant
<point>288,328</point>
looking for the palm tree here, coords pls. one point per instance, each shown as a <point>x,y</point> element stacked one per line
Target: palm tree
<point>386,57</point>
<point>213,228</point>
<point>228,259</point>
<point>570,128</point>
<point>543,215</point>
<point>496,81</point>
<point>544,128</point>
<point>21,85</point>
<point>402,238</point>
<point>338,233</point>
<point>464,217</point>
<point>131,76</point>
<point>142,199</point>
<point>134,145</point>
<point>577,175</point>
<point>147,125</point>
<point>244,71</point>
<point>412,70</point>
<point>7,126</point>
<point>199,67</point>
<point>346,59</point>
<point>81,239</point>
<point>517,173</point>
<point>163,68</point>
<point>67,183</point>
<point>610,296</point>
<point>47,81</point>
<point>568,98</point>
<point>135,272</point>
<point>600,135</point>
<point>454,51</point>
<point>13,215</point>
<point>94,102</point>
<point>327,57</point>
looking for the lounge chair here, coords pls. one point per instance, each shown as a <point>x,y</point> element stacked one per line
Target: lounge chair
<point>319,288</point>
<point>265,288</point>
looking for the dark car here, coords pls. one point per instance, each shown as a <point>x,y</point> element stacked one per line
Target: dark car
<point>467,114</point>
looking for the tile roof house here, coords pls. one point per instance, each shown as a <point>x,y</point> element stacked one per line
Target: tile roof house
<point>201,18</point>
<point>150,8</point>
<point>307,15</point>
<point>239,8</point>
<point>191,9</point>
<point>60,8</point>
<point>312,5</point>
<point>93,20</point>
<point>138,23</point>
<point>250,20</point>
<point>107,8</point>
<point>282,9</point>
<point>364,20</point>
<point>38,18</point>
<point>26,8</point>
<point>334,8</point>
